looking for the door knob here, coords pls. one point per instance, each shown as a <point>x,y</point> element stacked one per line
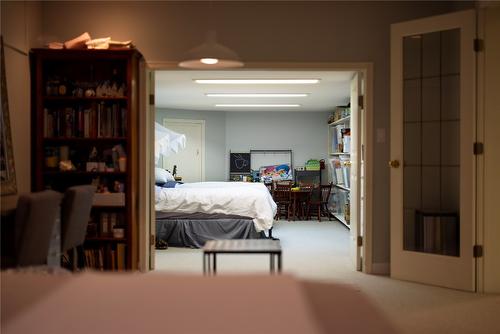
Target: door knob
<point>394,163</point>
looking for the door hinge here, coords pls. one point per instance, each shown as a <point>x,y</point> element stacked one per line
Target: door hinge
<point>478,148</point>
<point>477,251</point>
<point>151,99</point>
<point>478,44</point>
<point>361,101</point>
<point>152,240</point>
<point>359,241</point>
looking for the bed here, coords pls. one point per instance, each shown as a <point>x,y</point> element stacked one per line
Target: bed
<point>189,214</point>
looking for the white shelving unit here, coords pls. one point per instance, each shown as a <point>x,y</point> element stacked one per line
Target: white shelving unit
<point>340,164</point>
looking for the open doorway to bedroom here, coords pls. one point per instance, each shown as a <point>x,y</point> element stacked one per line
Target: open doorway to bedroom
<point>310,133</point>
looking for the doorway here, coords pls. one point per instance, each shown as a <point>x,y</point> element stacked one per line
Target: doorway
<point>359,237</point>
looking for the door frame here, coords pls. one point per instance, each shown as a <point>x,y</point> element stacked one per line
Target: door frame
<point>192,121</point>
<point>367,69</point>
<point>467,131</point>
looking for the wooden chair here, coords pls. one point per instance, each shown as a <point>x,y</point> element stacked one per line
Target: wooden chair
<point>319,200</point>
<point>282,195</point>
<point>302,200</point>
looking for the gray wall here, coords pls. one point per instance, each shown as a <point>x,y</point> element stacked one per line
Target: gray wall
<point>215,138</point>
<point>21,26</point>
<point>298,31</point>
<point>306,134</point>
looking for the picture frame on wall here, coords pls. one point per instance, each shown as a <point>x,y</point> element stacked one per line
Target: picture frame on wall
<point>7,171</point>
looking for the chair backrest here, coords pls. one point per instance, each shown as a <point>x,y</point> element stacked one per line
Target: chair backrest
<point>36,217</point>
<point>306,191</point>
<point>326,189</point>
<point>282,192</point>
<point>75,215</point>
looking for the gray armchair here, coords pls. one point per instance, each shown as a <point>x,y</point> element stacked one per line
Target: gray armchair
<point>75,215</point>
<point>36,216</point>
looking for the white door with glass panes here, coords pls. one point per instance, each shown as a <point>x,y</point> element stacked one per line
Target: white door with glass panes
<point>432,161</point>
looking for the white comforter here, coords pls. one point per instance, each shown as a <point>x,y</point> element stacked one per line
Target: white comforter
<point>230,198</point>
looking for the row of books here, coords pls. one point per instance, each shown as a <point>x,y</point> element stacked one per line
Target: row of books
<point>339,113</point>
<point>341,171</point>
<point>105,223</point>
<point>341,139</point>
<point>106,258</point>
<point>100,120</point>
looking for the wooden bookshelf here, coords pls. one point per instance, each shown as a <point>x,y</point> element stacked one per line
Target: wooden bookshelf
<point>85,110</point>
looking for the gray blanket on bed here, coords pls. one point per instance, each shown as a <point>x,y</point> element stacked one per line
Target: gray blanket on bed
<point>194,230</point>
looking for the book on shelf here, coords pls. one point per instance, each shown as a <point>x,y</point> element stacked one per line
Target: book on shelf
<point>341,171</point>
<point>120,257</point>
<point>341,139</point>
<point>106,258</point>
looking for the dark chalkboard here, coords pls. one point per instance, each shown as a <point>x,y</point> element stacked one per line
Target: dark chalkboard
<point>239,162</point>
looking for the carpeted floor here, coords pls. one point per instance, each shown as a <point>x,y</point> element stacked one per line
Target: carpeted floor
<point>320,251</point>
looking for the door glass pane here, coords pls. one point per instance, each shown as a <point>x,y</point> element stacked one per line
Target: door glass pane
<point>431,102</point>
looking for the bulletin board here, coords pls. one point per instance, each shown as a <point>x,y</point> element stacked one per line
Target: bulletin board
<point>239,163</point>
<point>261,158</point>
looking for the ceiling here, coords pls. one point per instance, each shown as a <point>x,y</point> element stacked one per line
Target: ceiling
<point>176,89</point>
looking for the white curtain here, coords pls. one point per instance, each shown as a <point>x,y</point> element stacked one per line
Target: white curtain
<point>167,142</point>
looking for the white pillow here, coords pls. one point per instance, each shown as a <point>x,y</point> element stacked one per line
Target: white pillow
<point>162,175</point>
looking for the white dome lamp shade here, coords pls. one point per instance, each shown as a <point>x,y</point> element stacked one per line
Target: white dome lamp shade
<point>211,55</point>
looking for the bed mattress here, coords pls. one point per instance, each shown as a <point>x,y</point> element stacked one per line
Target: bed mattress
<point>228,198</point>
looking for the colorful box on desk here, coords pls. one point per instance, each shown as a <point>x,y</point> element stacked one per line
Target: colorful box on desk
<point>312,165</point>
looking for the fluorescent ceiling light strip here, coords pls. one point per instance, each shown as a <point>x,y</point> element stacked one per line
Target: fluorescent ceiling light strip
<point>259,105</point>
<point>257,94</point>
<point>257,81</point>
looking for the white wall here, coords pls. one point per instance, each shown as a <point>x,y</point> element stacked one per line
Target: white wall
<point>306,134</point>
<point>297,31</point>
<point>21,26</point>
<point>215,138</point>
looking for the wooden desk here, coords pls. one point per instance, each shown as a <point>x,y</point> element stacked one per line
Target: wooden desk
<point>241,246</point>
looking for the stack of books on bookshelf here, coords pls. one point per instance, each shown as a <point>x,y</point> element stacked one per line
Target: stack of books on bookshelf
<point>341,139</point>
<point>99,120</point>
<point>341,171</point>
<point>106,258</point>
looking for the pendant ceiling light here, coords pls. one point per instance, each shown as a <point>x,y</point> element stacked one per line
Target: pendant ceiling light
<point>211,55</point>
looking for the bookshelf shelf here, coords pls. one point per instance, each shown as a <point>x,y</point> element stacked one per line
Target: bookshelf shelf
<point>79,139</point>
<point>341,187</point>
<point>341,121</point>
<point>105,239</point>
<point>75,173</point>
<point>93,133</point>
<point>82,99</point>
<point>341,218</point>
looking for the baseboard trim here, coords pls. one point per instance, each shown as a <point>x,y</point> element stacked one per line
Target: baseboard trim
<point>381,268</point>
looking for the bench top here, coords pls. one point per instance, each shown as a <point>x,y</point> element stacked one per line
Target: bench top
<point>242,246</point>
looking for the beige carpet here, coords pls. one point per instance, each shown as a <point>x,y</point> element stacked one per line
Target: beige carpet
<point>319,251</point>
